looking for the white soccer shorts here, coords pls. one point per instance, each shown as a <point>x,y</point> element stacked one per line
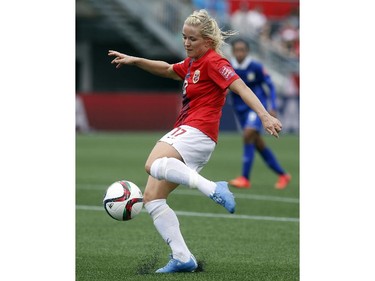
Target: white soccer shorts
<point>194,146</point>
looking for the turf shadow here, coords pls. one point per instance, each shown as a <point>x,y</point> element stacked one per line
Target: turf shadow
<point>148,265</point>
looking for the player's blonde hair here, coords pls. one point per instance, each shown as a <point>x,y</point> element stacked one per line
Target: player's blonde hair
<point>209,29</point>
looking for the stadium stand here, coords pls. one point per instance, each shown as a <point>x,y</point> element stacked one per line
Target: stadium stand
<point>153,29</point>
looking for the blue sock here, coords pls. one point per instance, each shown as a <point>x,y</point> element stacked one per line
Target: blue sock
<point>271,161</point>
<point>248,159</point>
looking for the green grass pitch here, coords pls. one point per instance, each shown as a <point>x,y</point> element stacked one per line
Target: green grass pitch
<point>259,242</point>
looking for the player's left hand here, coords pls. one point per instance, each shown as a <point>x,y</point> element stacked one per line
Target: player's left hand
<point>272,125</point>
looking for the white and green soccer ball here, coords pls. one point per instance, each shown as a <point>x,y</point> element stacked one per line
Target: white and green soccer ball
<point>123,200</point>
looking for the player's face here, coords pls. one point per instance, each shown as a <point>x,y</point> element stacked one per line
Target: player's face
<point>195,45</point>
<point>240,51</point>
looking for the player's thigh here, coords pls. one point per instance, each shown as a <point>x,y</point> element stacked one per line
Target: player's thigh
<point>161,149</point>
<point>251,127</point>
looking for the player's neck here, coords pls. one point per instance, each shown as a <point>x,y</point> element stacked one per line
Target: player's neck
<point>243,64</point>
<point>202,55</point>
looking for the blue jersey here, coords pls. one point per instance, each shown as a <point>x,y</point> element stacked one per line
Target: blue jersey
<point>255,77</point>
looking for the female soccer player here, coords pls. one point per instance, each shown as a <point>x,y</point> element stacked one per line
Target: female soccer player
<point>178,157</point>
<point>253,74</point>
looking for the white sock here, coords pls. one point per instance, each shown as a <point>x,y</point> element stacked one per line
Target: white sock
<point>173,170</point>
<point>167,224</point>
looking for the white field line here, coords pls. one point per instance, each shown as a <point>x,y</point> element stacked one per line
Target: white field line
<point>243,196</point>
<point>207,215</point>
<point>192,192</point>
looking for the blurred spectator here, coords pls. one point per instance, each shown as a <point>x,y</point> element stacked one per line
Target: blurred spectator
<point>239,19</point>
<point>281,36</point>
<point>256,19</point>
<point>248,22</point>
<point>285,40</point>
<point>289,39</point>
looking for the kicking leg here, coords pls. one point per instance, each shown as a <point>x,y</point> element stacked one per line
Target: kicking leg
<point>172,169</point>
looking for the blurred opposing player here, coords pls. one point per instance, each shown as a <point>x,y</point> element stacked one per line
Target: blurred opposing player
<point>179,156</point>
<point>255,77</point>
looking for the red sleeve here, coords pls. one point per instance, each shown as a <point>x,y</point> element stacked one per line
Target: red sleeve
<point>222,73</point>
<point>181,68</point>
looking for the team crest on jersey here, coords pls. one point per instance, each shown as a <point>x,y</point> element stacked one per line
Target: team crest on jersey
<point>196,76</point>
<point>227,72</point>
<point>251,76</point>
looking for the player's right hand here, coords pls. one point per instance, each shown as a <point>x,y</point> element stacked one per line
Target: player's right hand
<point>120,58</point>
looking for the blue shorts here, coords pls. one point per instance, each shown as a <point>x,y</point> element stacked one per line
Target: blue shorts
<point>249,119</point>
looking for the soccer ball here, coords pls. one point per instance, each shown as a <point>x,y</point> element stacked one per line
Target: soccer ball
<point>123,200</point>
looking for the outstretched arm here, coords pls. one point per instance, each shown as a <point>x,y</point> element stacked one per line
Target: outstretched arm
<point>271,124</point>
<point>159,68</point>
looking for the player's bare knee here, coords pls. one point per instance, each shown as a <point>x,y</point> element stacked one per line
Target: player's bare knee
<point>250,135</point>
<point>260,144</point>
<point>157,167</point>
<point>149,163</point>
<point>148,166</point>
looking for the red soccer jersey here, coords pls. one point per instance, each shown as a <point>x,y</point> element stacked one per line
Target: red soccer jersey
<point>204,90</point>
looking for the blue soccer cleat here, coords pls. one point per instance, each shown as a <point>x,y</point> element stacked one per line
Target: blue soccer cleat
<point>175,265</point>
<point>223,196</point>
